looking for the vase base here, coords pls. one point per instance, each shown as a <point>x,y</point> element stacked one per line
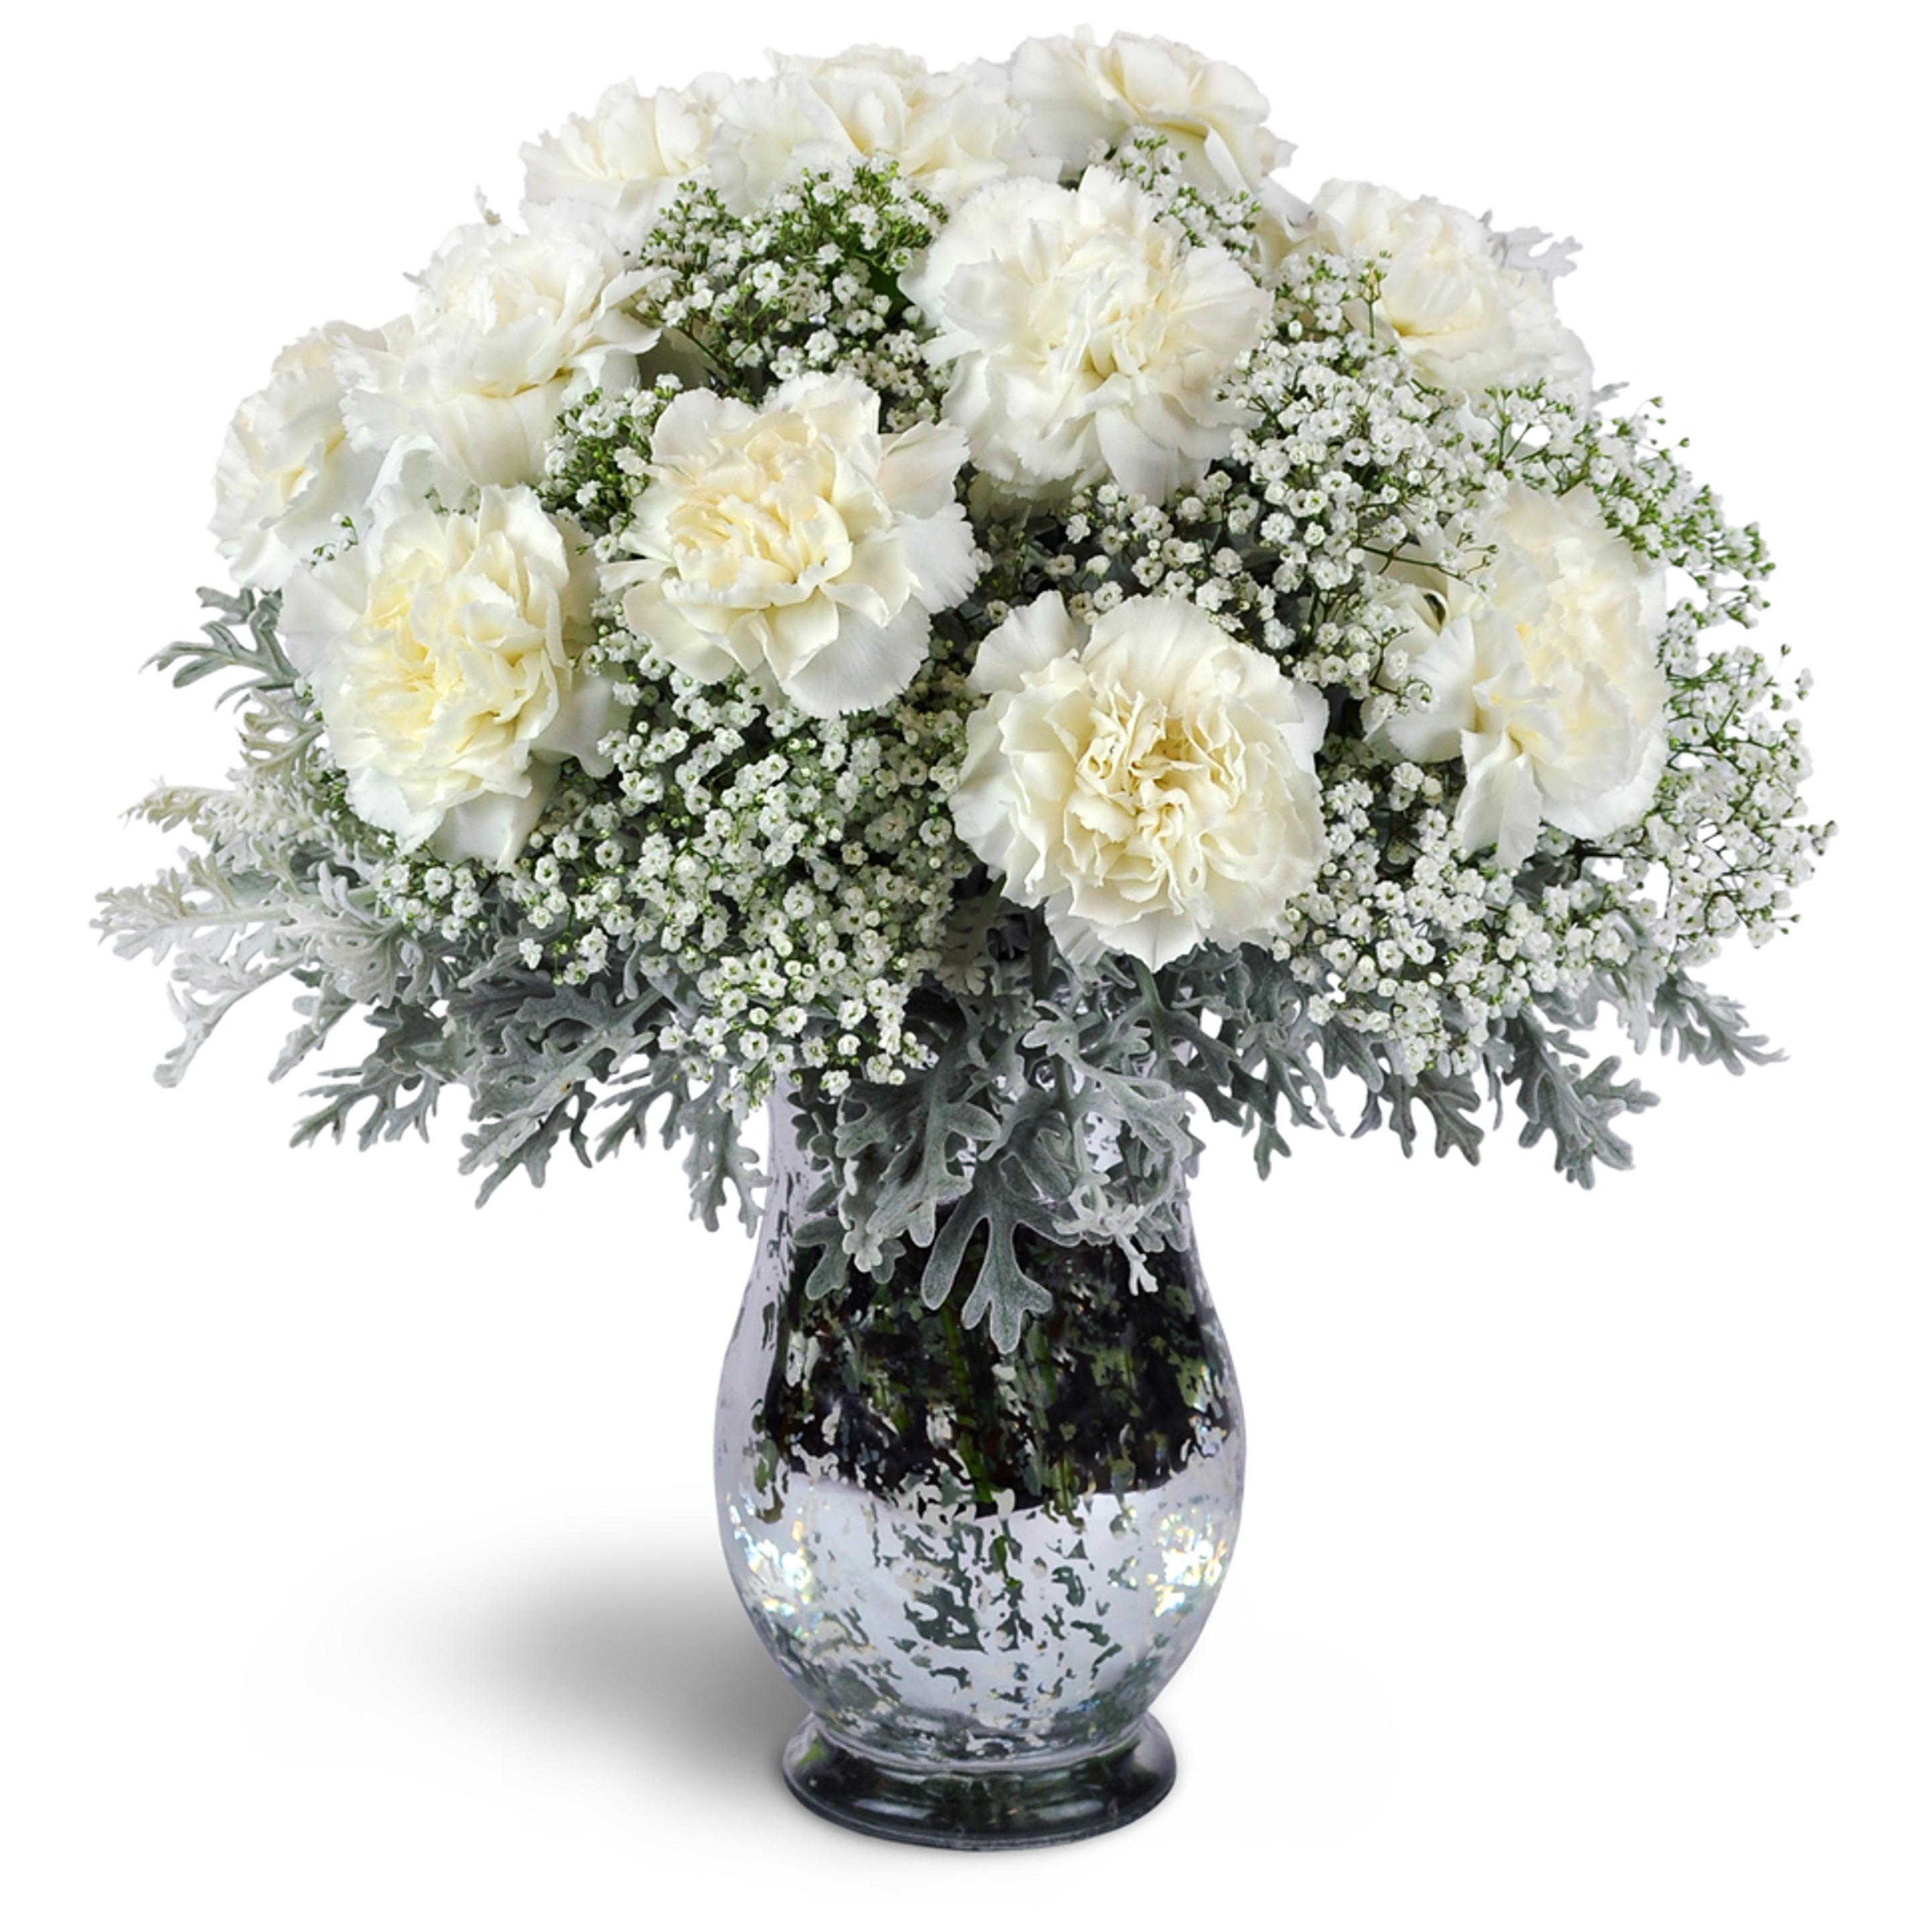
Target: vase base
<point>996,1809</point>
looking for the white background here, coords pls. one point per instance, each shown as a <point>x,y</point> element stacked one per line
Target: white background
<point>358,1561</point>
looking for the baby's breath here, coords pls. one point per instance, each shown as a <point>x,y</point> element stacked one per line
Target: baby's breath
<point>809,282</point>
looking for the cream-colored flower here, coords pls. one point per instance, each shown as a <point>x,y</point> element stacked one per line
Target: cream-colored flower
<point>508,327</point>
<point>797,543</point>
<point>1077,92</point>
<point>950,132</point>
<point>615,169</point>
<point>1545,682</point>
<point>289,476</point>
<point>1460,301</point>
<point>443,649</point>
<point>1150,783</point>
<point>1087,337</point>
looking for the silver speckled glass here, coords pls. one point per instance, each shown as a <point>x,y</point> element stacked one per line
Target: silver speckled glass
<point>978,1570</point>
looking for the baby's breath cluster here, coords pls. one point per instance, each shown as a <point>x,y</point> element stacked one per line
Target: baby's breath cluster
<point>1725,841</point>
<point>1219,216</point>
<point>788,881</point>
<point>1349,465</point>
<point>1408,941</point>
<point>598,462</point>
<point>1727,831</point>
<point>797,874</point>
<point>808,282</point>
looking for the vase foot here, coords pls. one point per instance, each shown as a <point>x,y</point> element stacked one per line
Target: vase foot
<point>998,1808</point>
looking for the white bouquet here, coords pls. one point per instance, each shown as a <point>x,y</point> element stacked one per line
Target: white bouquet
<point>958,599</point>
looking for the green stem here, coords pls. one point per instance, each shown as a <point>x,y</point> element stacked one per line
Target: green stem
<point>966,1421</point>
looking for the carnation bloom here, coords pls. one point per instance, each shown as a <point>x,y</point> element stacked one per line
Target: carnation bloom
<point>1077,92</point>
<point>1546,683</point>
<point>615,169</point>
<point>288,475</point>
<point>1466,308</point>
<point>443,650</point>
<point>1150,783</point>
<point>949,132</point>
<point>797,543</point>
<point>508,327</point>
<point>1087,337</point>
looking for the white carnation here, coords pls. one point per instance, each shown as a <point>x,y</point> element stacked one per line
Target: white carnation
<point>1151,783</point>
<point>508,328</point>
<point>950,132</point>
<point>1087,337</point>
<point>1077,92</point>
<point>288,475</point>
<point>797,543</point>
<point>443,650</point>
<point>1465,306</point>
<point>1545,682</point>
<point>615,169</point>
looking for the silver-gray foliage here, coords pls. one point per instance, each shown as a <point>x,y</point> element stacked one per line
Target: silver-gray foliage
<point>1062,1102</point>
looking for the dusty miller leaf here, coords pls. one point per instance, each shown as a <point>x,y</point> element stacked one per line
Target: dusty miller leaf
<point>1003,1295</point>
<point>1575,1110</point>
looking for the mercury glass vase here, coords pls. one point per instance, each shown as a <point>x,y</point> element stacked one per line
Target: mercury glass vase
<point>978,1569</point>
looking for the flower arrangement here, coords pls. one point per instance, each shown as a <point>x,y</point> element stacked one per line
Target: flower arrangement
<point>959,599</point>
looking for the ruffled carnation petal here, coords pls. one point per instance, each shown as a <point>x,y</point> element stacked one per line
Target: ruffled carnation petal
<point>1462,309</point>
<point>796,543</point>
<point>1150,783</point>
<point>509,328</point>
<point>443,649</point>
<point>1078,91</point>
<point>290,476</point>
<point>1544,680</point>
<point>1085,336</point>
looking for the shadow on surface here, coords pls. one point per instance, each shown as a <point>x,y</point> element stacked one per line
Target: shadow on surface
<point>670,1660</point>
